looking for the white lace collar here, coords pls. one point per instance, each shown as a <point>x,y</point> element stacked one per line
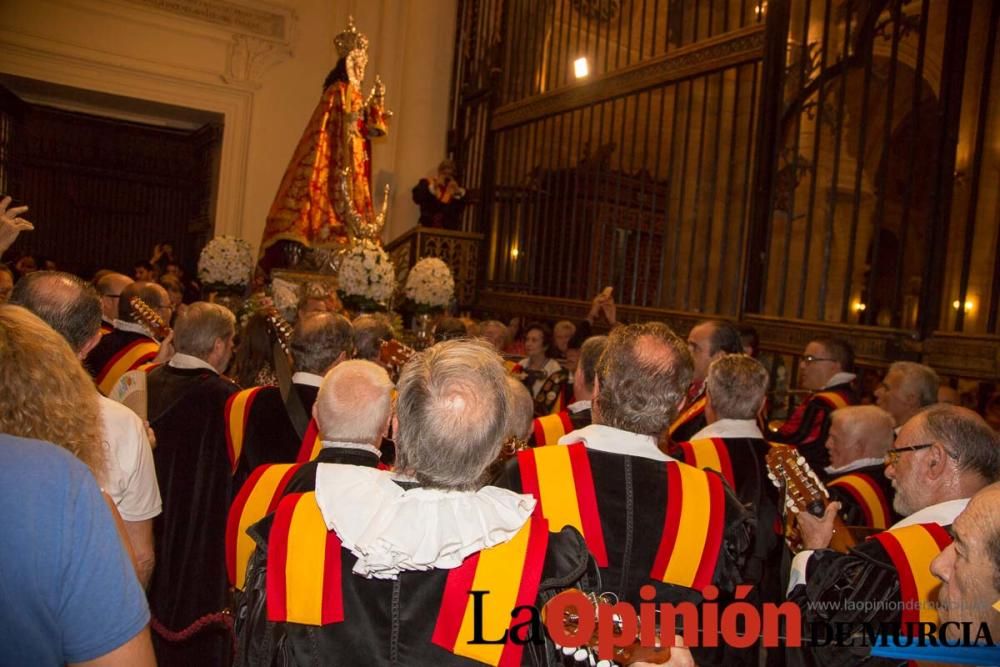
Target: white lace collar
<point>579,406</point>
<point>392,530</point>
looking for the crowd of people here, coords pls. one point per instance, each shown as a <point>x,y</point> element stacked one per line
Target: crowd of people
<point>335,506</point>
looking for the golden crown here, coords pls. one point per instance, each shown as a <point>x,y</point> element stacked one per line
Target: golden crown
<point>350,40</point>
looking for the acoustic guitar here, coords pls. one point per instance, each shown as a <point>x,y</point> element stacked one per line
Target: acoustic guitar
<point>803,492</point>
<point>149,318</point>
<point>627,654</point>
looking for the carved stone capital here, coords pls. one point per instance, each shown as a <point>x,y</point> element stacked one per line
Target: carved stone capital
<point>249,57</point>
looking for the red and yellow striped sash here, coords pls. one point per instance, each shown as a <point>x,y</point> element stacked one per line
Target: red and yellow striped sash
<point>710,454</point>
<point>311,443</point>
<point>511,572</point>
<point>911,550</point>
<point>690,412</point>
<point>559,404</point>
<point>550,428</point>
<point>561,480</point>
<point>834,399</point>
<point>258,498</point>
<point>692,529</point>
<point>237,414</point>
<point>127,359</point>
<point>869,496</point>
<point>303,565</point>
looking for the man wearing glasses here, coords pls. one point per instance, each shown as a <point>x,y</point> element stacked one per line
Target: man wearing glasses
<point>942,457</point>
<point>826,370</point>
<point>130,345</point>
<point>110,288</point>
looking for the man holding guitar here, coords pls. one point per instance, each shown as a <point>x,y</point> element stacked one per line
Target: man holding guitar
<point>942,457</point>
<point>129,346</point>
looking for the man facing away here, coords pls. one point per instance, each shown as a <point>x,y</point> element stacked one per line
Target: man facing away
<point>187,398</point>
<point>130,345</point>
<point>265,426</point>
<point>633,503</point>
<point>732,445</point>
<point>399,552</point>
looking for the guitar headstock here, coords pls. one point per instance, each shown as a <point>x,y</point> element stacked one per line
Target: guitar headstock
<point>804,491</point>
<point>570,601</point>
<point>280,327</point>
<point>149,318</point>
<point>394,353</point>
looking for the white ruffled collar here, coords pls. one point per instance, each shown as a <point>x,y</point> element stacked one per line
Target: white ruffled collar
<point>392,530</point>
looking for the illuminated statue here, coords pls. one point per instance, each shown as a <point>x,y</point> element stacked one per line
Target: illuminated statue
<point>325,198</point>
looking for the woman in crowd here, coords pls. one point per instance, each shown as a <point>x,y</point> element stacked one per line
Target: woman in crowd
<point>538,365</point>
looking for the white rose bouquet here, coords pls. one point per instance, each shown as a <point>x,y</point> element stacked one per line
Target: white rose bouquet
<point>226,265</point>
<point>367,277</point>
<point>430,285</point>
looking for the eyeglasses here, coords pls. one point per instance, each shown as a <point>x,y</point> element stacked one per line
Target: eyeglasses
<point>808,359</point>
<point>892,456</point>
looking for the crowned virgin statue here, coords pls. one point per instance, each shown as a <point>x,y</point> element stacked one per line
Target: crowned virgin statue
<point>325,198</point>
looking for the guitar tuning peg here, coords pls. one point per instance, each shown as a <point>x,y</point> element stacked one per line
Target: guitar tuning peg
<point>568,650</point>
<point>581,654</point>
<point>605,663</point>
<point>800,460</point>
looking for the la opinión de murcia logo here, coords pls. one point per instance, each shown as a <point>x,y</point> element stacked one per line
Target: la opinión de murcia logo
<point>576,620</point>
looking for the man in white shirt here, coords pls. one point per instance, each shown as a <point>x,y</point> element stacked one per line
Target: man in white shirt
<point>72,308</point>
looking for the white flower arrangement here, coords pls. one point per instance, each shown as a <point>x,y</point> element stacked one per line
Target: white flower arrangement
<point>366,274</point>
<point>226,264</point>
<point>430,284</point>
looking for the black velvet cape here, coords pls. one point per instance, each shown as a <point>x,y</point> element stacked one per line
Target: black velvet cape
<point>192,467</point>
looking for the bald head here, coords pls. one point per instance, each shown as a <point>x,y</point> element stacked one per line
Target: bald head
<point>110,286</point>
<point>354,403</point>
<point>858,432</point>
<point>64,302</point>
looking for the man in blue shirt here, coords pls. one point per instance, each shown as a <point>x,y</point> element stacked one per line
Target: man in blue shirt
<point>68,593</point>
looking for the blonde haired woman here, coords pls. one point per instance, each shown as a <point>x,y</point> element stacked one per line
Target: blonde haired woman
<point>44,392</point>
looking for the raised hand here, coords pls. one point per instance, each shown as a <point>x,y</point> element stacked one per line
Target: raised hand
<point>11,224</point>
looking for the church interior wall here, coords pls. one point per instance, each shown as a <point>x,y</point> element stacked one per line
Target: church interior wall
<point>260,65</point>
